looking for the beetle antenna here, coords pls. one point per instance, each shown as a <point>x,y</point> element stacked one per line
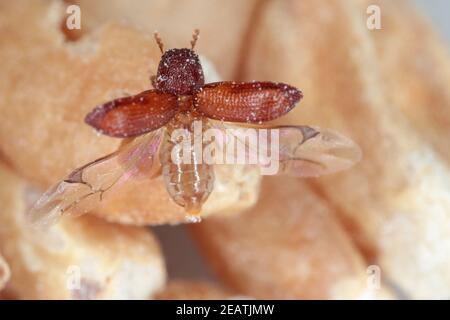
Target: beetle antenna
<point>194,38</point>
<point>159,41</point>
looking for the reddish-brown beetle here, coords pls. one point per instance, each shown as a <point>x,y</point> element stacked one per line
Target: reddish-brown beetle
<point>179,99</point>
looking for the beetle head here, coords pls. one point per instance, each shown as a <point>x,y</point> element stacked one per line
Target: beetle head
<point>179,72</point>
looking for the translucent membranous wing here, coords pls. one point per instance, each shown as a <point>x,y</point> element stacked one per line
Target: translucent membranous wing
<point>300,151</point>
<point>87,186</point>
<point>311,151</point>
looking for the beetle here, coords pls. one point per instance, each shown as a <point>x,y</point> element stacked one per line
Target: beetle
<point>179,99</point>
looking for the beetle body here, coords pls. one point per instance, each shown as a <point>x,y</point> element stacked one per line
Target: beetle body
<point>180,100</point>
<point>180,97</point>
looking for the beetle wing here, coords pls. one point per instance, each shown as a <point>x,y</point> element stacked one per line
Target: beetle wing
<point>311,151</point>
<point>134,115</point>
<point>300,151</point>
<point>250,102</point>
<point>86,186</point>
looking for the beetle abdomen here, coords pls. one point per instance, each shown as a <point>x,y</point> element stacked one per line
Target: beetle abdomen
<point>189,184</point>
